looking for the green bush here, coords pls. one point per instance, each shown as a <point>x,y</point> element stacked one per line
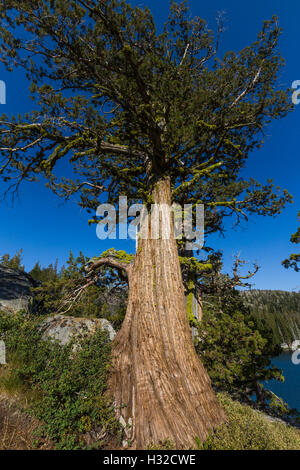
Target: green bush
<point>68,384</point>
<point>248,429</point>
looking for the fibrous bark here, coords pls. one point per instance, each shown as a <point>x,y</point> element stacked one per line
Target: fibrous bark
<point>160,387</point>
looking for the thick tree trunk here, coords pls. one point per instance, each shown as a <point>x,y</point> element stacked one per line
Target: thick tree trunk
<point>161,389</point>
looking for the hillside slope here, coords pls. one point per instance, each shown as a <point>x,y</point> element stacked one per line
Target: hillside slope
<point>279,309</point>
<point>249,429</point>
<point>17,428</point>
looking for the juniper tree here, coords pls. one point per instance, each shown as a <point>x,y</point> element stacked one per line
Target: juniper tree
<point>159,117</point>
<point>294,260</point>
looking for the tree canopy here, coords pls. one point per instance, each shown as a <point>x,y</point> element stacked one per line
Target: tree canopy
<point>126,104</point>
<point>12,262</point>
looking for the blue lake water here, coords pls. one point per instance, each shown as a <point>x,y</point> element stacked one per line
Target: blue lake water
<point>289,390</point>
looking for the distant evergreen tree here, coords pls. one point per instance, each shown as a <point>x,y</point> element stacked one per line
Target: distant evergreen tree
<point>36,272</point>
<point>49,273</point>
<point>14,262</point>
<point>74,268</point>
<point>279,310</point>
<point>106,298</point>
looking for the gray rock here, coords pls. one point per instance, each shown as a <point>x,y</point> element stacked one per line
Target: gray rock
<point>63,328</point>
<point>15,291</point>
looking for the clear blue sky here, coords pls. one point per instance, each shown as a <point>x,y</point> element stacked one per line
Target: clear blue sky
<point>46,228</point>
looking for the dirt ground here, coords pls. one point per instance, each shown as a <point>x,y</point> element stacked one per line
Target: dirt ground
<point>17,428</point>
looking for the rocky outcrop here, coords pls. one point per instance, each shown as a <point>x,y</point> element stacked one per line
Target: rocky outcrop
<point>64,329</point>
<point>15,293</point>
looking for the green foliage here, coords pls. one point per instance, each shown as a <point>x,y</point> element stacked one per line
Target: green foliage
<point>118,254</point>
<point>279,408</point>
<point>14,262</point>
<point>127,105</point>
<point>69,385</point>
<point>248,429</point>
<point>49,273</point>
<point>165,445</point>
<point>235,350</point>
<point>49,296</point>
<point>105,299</point>
<point>294,260</point>
<point>74,268</point>
<point>279,310</point>
<point>44,274</point>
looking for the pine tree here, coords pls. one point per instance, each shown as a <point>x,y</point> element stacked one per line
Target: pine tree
<point>160,118</point>
<point>37,272</point>
<point>14,262</point>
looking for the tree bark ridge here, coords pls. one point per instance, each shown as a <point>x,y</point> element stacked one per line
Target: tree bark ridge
<point>161,389</point>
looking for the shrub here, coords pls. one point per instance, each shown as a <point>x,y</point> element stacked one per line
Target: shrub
<point>248,429</point>
<point>68,384</point>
